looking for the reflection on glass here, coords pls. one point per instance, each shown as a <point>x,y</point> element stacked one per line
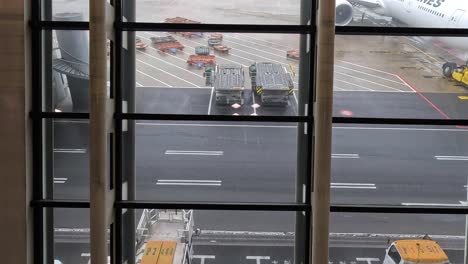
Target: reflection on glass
<point>65,10</point>
<point>197,236</point>
<point>218,74</point>
<point>67,71</point>
<point>377,238</point>
<point>400,77</point>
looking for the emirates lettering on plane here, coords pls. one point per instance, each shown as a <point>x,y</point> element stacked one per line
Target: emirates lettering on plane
<point>433,3</point>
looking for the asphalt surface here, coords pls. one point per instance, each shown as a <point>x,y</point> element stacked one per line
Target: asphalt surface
<point>254,254</point>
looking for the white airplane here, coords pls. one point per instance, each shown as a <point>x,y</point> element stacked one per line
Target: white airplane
<point>415,13</point>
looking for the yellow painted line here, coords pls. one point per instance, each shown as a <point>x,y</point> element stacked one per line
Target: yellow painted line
<point>423,52</point>
<point>152,250</point>
<point>167,252</point>
<point>463,97</point>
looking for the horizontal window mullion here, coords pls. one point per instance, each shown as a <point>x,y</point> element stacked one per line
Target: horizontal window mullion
<point>400,121</point>
<point>283,207</point>
<point>228,118</point>
<point>60,203</point>
<point>138,26</point>
<point>62,115</point>
<point>458,210</point>
<point>401,31</point>
<point>63,25</point>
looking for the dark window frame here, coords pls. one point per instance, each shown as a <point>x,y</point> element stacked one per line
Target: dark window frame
<point>41,203</point>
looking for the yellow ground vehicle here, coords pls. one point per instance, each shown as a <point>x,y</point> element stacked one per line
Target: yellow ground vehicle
<point>424,251</point>
<point>457,72</point>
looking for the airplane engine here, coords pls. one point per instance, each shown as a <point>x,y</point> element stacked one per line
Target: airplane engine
<point>344,13</point>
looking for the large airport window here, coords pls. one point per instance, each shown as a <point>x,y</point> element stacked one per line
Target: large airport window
<point>426,165</point>
<point>213,132</point>
<point>217,236</point>
<point>210,73</point>
<point>218,161</point>
<point>202,117</point>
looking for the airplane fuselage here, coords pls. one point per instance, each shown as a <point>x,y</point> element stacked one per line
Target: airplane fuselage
<point>432,14</point>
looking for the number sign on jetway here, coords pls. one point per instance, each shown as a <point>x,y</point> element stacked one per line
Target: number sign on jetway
<point>159,252</point>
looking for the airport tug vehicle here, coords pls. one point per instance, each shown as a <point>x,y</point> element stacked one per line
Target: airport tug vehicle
<point>459,73</point>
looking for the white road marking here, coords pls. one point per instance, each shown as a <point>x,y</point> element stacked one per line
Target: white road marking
<point>250,47</point>
<point>139,84</point>
<point>352,184</point>
<point>198,45</point>
<point>373,75</point>
<point>368,260</point>
<point>189,182</point>
<point>372,69</point>
<point>166,72</point>
<point>147,75</point>
<point>211,99</point>
<point>234,55</point>
<point>376,83</point>
<point>368,186</point>
<point>167,53</point>
<point>403,129</point>
<point>266,41</point>
<point>256,55</point>
<point>60,180</point>
<point>71,151</point>
<point>194,152</point>
<point>196,181</point>
<point>360,86</point>
<point>372,91</point>
<point>345,156</point>
<point>172,64</point>
<point>203,257</point>
<point>229,36</point>
<point>454,158</point>
<point>258,259</point>
<point>178,87</point>
<point>461,203</point>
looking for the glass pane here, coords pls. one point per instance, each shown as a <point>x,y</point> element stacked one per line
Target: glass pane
<point>403,13</point>
<point>396,165</point>
<point>69,159</point>
<point>65,10</point>
<point>66,70</point>
<point>225,162</point>
<point>400,77</point>
<point>219,74</point>
<point>216,236</point>
<point>364,238</point>
<point>278,12</point>
<point>71,235</point>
